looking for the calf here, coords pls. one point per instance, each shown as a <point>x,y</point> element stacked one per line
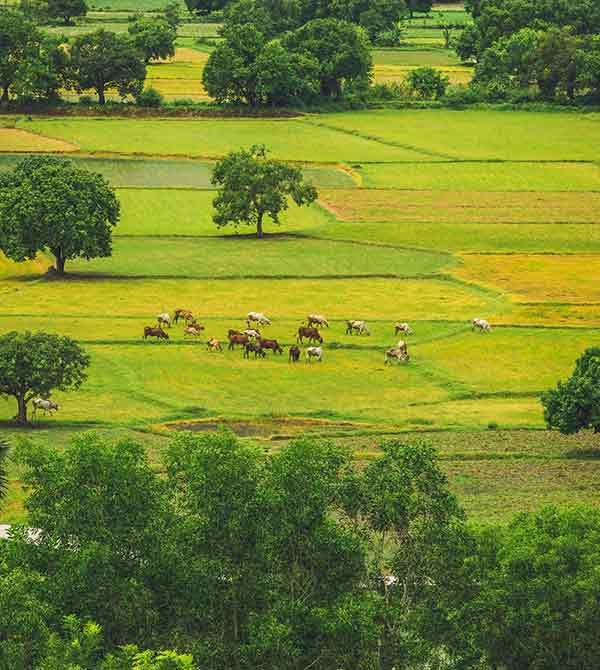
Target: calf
<point>193,329</point>
<point>402,328</point>
<point>214,345</point>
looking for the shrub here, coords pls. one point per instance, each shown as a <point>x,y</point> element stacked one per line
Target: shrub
<point>150,98</point>
<point>461,95</point>
<point>86,100</point>
<point>428,83</point>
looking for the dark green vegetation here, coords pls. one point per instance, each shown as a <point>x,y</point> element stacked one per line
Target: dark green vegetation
<point>34,365</point>
<point>251,186</point>
<point>575,405</point>
<point>244,559</point>
<point>48,203</point>
<point>554,45</point>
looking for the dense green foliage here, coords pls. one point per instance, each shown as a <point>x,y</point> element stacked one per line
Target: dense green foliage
<point>3,473</point>
<point>155,38</point>
<point>427,82</point>
<point>575,404</point>
<point>551,44</point>
<point>36,364</point>
<point>66,9</point>
<point>102,60</point>
<point>32,64</point>
<point>251,185</point>
<point>323,57</point>
<point>242,559</point>
<point>49,203</point>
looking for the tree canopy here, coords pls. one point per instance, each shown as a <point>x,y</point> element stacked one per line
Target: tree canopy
<point>49,203</point>
<point>155,38</point>
<point>35,364</point>
<point>251,186</point>
<point>575,404</point>
<point>102,60</point>
<point>66,9</point>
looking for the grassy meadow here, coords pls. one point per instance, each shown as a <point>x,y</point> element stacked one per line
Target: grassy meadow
<point>432,217</point>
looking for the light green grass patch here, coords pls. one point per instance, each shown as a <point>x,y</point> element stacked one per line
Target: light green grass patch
<point>415,57</point>
<point>508,359</point>
<point>211,138</point>
<point>172,212</point>
<point>472,237</point>
<point>485,134</point>
<point>483,176</point>
<point>276,256</point>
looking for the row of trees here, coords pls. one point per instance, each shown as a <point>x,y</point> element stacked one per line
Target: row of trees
<point>293,560</point>
<point>552,44</point>
<point>35,66</point>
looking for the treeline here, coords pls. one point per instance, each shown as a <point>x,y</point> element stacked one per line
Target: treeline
<point>549,44</point>
<point>233,558</point>
<point>35,66</point>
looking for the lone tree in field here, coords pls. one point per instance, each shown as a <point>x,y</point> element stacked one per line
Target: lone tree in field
<point>49,203</point>
<point>103,60</point>
<point>251,185</point>
<point>34,364</point>
<point>575,404</point>
<point>66,9</point>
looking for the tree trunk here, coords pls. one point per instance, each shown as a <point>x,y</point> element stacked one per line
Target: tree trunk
<point>259,226</point>
<point>60,262</point>
<point>101,96</point>
<point>4,98</point>
<point>22,413</point>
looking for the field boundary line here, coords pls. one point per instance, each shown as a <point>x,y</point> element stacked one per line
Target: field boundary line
<point>379,140</point>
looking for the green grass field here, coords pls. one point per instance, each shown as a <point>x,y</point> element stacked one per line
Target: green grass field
<point>431,217</point>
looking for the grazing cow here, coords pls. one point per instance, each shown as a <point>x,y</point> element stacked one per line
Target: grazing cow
<point>402,328</point>
<point>257,317</point>
<point>163,320</point>
<point>152,331</point>
<point>273,345</point>
<point>254,347</point>
<point>317,320</point>
<point>242,340</point>
<point>398,354</point>
<point>251,332</point>
<point>311,334</point>
<point>482,325</point>
<point>193,329</point>
<point>46,406</point>
<point>314,352</point>
<point>358,327</point>
<point>294,356</point>
<point>184,314</point>
<point>214,345</point>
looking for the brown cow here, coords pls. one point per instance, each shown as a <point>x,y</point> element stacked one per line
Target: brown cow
<point>273,345</point>
<point>183,314</point>
<point>242,340</point>
<point>153,331</point>
<point>193,329</point>
<point>294,356</point>
<point>312,334</point>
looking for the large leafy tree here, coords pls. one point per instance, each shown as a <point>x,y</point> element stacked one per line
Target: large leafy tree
<point>66,9</point>
<point>103,60</point>
<point>35,364</point>
<point>537,597</point>
<point>251,186</point>
<point>155,38</point>
<point>49,203</point>
<point>575,404</point>
<point>340,49</point>
<point>19,38</point>
<point>40,76</point>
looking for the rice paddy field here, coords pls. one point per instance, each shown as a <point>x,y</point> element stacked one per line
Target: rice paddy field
<point>431,217</point>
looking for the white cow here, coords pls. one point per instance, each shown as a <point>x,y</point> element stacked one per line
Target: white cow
<point>251,332</point>
<point>314,352</point>
<point>360,327</point>
<point>257,317</point>
<point>317,320</point>
<point>402,328</point>
<point>164,319</point>
<point>46,406</point>
<point>482,325</point>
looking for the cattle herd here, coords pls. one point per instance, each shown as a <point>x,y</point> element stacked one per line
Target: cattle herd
<point>251,341</point>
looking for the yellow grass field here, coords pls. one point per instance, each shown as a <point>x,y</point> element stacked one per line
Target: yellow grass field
<point>15,140</point>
